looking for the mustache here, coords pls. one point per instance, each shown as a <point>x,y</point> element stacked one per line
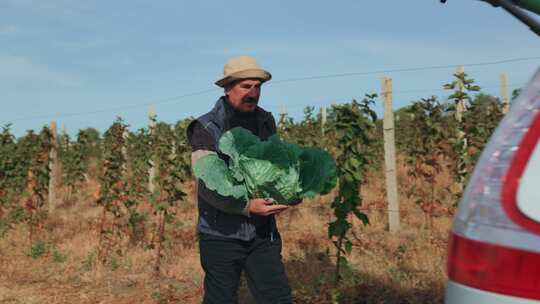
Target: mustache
<point>249,100</point>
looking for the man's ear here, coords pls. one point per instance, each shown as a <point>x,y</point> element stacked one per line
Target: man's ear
<point>227,88</point>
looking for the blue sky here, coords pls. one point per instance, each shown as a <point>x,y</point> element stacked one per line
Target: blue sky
<point>82,63</point>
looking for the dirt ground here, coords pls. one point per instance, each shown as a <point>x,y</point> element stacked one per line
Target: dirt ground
<point>406,267</point>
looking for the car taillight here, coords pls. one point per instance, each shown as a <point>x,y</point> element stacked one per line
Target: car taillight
<point>493,245</point>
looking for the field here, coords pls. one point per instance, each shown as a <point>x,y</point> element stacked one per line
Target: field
<point>110,218</point>
<point>407,267</point>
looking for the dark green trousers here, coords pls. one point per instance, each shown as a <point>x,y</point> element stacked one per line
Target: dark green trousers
<point>224,259</point>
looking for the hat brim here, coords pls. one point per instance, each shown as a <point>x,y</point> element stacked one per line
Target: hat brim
<point>245,74</point>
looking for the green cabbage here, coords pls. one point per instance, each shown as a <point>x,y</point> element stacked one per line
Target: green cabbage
<point>273,169</point>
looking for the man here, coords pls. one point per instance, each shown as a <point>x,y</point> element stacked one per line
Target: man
<point>237,235</point>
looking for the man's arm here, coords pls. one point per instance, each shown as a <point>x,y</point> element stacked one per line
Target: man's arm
<point>223,203</point>
<point>202,144</point>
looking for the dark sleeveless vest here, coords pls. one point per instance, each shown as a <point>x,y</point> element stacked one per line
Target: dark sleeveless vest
<point>214,221</point>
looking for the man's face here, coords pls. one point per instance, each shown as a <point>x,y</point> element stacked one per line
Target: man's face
<point>244,94</point>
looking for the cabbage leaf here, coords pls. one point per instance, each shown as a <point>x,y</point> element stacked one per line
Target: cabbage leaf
<point>273,169</point>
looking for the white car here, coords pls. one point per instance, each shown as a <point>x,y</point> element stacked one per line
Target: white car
<point>494,250</point>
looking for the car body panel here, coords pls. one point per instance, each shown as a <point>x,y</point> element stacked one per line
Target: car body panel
<point>528,196</point>
<point>461,294</point>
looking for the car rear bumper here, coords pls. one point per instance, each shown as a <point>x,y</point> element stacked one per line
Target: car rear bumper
<point>461,294</point>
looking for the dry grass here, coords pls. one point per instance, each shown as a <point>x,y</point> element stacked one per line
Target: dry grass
<point>408,267</point>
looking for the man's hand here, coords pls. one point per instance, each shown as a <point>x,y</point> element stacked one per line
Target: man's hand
<point>264,207</point>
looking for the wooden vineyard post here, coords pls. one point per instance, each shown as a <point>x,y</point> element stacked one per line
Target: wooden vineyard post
<point>323,119</point>
<point>504,93</point>
<point>173,143</point>
<point>390,157</point>
<point>152,169</point>
<point>283,110</point>
<point>282,115</point>
<point>125,154</point>
<point>460,109</point>
<point>53,167</point>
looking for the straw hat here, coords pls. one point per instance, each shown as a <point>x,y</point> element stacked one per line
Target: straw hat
<point>242,67</point>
